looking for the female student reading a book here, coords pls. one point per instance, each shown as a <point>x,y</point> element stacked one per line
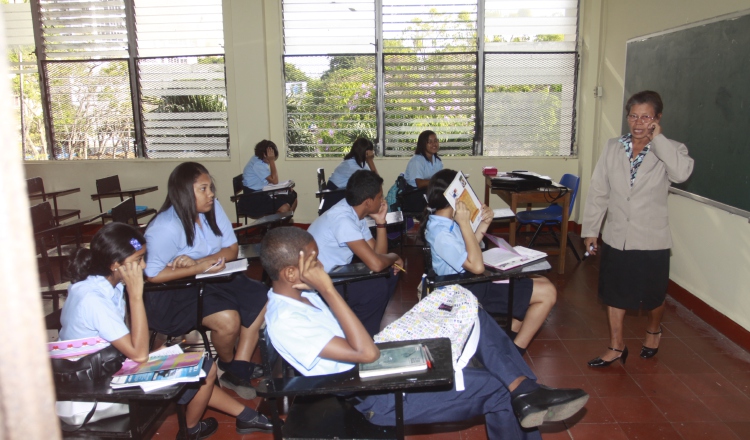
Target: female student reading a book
<point>455,249</point>
<point>191,235</point>
<point>259,172</point>
<point>96,308</point>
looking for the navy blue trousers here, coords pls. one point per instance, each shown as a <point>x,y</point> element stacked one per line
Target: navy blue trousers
<point>486,391</point>
<point>368,300</point>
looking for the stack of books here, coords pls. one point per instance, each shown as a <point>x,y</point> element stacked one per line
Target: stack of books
<point>164,368</point>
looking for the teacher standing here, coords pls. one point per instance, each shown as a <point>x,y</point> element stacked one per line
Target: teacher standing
<point>630,185</point>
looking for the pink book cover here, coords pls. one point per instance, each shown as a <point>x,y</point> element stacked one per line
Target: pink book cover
<point>160,363</point>
<point>75,348</point>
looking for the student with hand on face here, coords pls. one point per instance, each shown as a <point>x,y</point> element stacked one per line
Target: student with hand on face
<point>259,172</point>
<point>342,232</point>
<point>314,329</point>
<point>96,308</point>
<point>421,167</point>
<point>361,157</point>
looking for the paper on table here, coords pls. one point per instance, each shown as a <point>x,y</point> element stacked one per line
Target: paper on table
<point>232,266</point>
<point>502,213</point>
<point>280,185</point>
<point>460,190</point>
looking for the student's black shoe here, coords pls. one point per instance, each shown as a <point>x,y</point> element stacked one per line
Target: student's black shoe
<point>600,363</point>
<point>259,423</point>
<point>256,371</point>
<point>208,428</point>
<point>240,386</point>
<point>547,405</point>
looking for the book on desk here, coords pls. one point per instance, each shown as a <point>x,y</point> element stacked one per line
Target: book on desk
<point>505,256</point>
<point>407,359</point>
<point>164,368</point>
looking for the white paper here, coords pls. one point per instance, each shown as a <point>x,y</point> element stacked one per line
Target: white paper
<point>502,213</point>
<point>232,266</point>
<point>461,190</point>
<point>284,184</point>
<point>390,218</point>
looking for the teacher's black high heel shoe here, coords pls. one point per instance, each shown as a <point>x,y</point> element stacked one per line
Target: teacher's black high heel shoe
<point>648,352</point>
<point>601,363</point>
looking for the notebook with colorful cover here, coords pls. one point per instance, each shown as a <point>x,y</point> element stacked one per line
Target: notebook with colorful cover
<point>406,359</point>
<point>160,363</point>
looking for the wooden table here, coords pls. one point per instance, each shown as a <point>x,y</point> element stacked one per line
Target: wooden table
<point>542,195</point>
<point>54,195</point>
<point>132,192</point>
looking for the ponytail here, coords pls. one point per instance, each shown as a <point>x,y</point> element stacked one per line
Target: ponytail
<point>439,182</point>
<point>78,269</point>
<point>113,243</point>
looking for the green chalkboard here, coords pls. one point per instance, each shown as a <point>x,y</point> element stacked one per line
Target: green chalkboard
<point>703,76</point>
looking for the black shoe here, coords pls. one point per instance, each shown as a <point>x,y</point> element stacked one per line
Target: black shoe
<point>259,423</point>
<point>256,371</point>
<point>600,363</point>
<point>242,387</point>
<point>648,352</point>
<point>547,405</point>
<point>208,428</point>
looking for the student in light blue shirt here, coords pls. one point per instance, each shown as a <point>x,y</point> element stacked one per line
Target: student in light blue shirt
<point>191,235</point>
<point>96,308</point>
<point>361,157</point>
<point>312,327</point>
<point>421,168</point>
<point>342,233</point>
<point>455,249</point>
<point>259,172</point>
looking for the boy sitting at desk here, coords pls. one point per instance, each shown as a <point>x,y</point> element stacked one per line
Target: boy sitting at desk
<point>342,232</point>
<point>319,339</point>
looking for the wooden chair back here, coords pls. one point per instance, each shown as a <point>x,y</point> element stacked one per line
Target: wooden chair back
<point>108,184</point>
<point>35,185</point>
<point>42,217</point>
<point>237,185</point>
<point>125,212</point>
<point>321,179</point>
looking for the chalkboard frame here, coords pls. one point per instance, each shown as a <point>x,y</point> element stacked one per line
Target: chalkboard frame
<point>629,80</point>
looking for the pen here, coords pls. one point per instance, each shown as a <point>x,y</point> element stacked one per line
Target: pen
<point>399,268</point>
<point>214,265</point>
<point>427,357</point>
<point>586,254</point>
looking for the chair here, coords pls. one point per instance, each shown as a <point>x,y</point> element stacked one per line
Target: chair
<point>35,186</point>
<point>50,247</point>
<point>238,194</point>
<point>111,184</point>
<point>403,195</point>
<point>125,212</point>
<point>328,197</point>
<point>317,409</point>
<point>552,215</point>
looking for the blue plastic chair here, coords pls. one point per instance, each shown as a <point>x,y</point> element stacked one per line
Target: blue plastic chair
<point>552,215</point>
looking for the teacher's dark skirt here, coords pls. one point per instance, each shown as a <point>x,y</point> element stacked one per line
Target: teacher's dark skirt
<point>633,279</point>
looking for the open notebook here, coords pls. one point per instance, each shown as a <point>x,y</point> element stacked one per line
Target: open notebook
<point>505,257</point>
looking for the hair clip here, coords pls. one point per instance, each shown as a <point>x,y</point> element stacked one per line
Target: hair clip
<point>430,210</point>
<point>136,244</point>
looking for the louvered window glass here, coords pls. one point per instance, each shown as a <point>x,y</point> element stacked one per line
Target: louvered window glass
<point>499,81</point>
<point>27,103</point>
<point>132,78</point>
<point>530,77</point>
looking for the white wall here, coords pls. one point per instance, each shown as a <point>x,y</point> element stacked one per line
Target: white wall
<point>711,252</point>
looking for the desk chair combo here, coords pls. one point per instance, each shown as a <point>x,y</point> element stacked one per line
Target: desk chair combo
<point>315,408</point>
<point>35,188</point>
<point>55,243</point>
<point>238,193</point>
<point>552,216</point>
<point>328,197</point>
<point>110,187</point>
<point>433,281</point>
<point>404,193</point>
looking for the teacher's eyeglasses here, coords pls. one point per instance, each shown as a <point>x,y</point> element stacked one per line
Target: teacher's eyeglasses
<point>645,118</point>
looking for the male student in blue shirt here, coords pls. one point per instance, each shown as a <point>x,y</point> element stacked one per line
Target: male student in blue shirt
<point>319,338</point>
<point>341,232</point>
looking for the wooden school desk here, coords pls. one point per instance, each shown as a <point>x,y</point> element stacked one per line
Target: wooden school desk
<point>541,195</point>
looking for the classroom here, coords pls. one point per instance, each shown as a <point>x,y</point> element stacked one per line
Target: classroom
<point>710,253</point>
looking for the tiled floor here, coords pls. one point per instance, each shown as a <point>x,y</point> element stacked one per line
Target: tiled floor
<point>697,387</point>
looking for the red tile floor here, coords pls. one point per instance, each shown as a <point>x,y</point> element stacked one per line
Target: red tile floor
<point>697,387</point>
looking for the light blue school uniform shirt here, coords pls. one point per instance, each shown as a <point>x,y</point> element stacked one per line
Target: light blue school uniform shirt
<point>94,308</point>
<point>299,332</point>
<point>420,168</point>
<point>333,230</point>
<point>448,246</point>
<point>344,171</point>
<point>255,173</point>
<point>166,239</point>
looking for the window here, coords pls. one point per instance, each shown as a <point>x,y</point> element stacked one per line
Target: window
<point>128,78</point>
<point>389,69</point>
